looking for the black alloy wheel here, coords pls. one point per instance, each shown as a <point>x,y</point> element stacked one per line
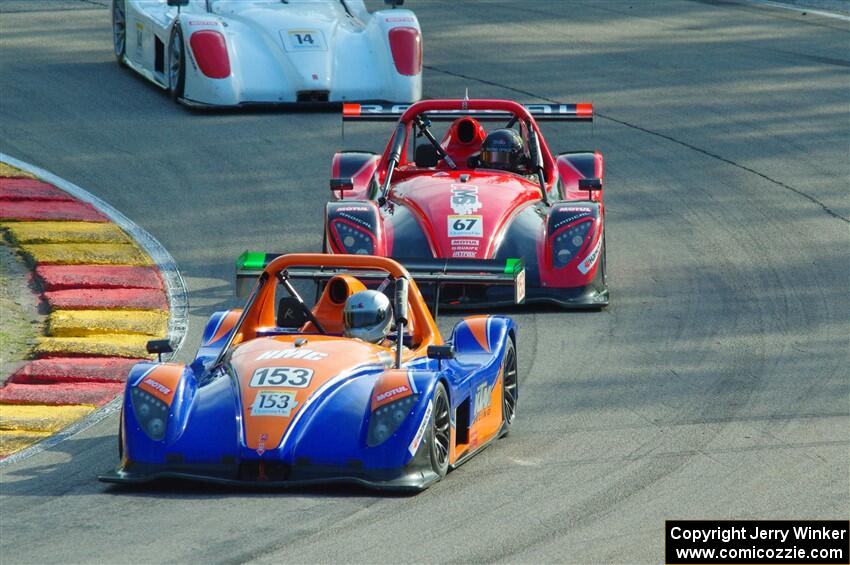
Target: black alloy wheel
<point>510,385</point>
<point>440,431</point>
<point>119,29</point>
<point>176,64</point>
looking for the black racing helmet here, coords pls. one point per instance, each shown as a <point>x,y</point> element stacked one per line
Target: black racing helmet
<point>502,149</point>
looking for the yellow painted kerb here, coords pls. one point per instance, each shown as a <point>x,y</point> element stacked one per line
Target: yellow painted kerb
<point>86,254</point>
<point>105,345</point>
<point>65,232</point>
<point>40,417</point>
<point>15,440</point>
<point>81,323</point>
<point>10,171</point>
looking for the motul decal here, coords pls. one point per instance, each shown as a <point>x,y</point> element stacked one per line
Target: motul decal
<point>353,209</point>
<point>420,433</point>
<point>587,263</point>
<point>157,385</point>
<point>465,248</point>
<point>465,199</point>
<point>296,353</point>
<point>391,393</point>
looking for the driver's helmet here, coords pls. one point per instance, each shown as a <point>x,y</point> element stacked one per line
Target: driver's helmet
<point>367,315</point>
<point>502,149</point>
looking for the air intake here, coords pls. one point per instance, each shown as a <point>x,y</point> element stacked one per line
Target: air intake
<point>313,96</point>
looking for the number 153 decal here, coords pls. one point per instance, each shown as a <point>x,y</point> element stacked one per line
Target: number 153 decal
<point>293,377</point>
<point>273,403</point>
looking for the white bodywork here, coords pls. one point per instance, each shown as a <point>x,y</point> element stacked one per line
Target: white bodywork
<point>348,55</point>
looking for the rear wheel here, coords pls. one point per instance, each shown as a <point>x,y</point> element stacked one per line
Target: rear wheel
<point>510,385</point>
<point>176,64</point>
<point>119,29</point>
<point>440,432</point>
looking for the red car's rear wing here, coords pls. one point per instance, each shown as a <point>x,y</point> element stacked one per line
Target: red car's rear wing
<point>541,112</point>
<point>439,272</point>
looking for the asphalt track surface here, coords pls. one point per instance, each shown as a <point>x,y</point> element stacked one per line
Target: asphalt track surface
<point>714,386</point>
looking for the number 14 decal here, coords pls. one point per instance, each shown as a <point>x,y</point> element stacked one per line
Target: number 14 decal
<point>304,40</point>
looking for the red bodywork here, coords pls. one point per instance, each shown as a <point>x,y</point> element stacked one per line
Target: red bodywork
<point>469,212</point>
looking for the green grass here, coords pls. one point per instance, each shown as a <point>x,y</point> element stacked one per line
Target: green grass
<point>19,321</point>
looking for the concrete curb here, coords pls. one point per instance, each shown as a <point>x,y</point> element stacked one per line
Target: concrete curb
<point>86,208</point>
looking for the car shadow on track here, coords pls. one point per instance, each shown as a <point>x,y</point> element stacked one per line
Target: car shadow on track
<point>185,489</point>
<point>56,472</point>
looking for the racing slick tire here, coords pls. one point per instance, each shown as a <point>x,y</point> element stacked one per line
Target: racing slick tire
<point>119,29</point>
<point>176,64</point>
<point>440,432</point>
<point>604,261</point>
<point>510,387</point>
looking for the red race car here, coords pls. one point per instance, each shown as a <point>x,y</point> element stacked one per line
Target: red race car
<point>476,200</point>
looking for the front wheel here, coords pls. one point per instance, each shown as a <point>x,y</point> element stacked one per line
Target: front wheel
<point>510,386</point>
<point>440,432</point>
<point>176,64</point>
<point>604,262</point>
<point>119,29</point>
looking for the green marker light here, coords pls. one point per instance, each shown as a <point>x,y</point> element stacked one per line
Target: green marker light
<point>251,260</point>
<point>512,265</point>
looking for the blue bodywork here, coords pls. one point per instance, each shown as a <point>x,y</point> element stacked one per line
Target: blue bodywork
<point>326,439</point>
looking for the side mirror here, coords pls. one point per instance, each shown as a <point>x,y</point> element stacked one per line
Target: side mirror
<point>589,184</point>
<point>178,3</point>
<point>441,352</point>
<point>400,305</point>
<point>159,346</point>
<point>342,184</point>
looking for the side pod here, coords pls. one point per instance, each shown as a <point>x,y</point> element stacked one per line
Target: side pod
<point>354,227</point>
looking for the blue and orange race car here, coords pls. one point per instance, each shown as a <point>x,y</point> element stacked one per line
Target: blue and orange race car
<point>277,395</point>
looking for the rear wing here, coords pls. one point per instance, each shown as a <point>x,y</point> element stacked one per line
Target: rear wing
<point>439,272</point>
<point>541,112</point>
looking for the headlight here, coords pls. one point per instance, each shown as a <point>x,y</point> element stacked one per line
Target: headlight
<point>567,242</point>
<point>151,413</point>
<point>386,419</point>
<point>353,240</point>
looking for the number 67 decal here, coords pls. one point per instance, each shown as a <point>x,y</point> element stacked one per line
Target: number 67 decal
<point>466,226</point>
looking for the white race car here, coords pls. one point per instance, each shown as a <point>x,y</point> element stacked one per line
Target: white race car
<point>240,52</point>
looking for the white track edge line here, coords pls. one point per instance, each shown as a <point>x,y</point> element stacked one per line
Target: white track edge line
<point>797,8</point>
<point>175,289</point>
